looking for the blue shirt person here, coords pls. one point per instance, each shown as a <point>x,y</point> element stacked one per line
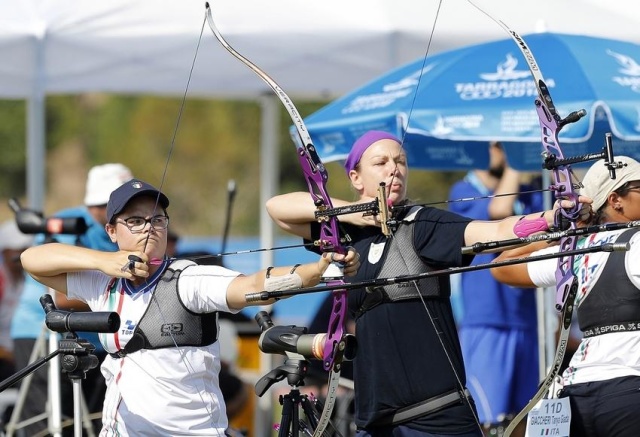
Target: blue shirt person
<point>498,326</point>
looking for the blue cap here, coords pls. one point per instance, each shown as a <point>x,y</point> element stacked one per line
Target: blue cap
<point>129,190</point>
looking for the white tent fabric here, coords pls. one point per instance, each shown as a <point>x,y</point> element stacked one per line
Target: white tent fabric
<point>313,48</point>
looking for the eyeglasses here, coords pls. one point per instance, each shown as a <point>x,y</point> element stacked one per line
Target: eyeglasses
<point>137,224</point>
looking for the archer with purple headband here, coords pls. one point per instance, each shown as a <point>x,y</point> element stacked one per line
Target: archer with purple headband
<point>408,372</point>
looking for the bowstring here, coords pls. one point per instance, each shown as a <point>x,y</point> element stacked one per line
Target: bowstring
<point>174,135</point>
<point>183,357</point>
<point>469,199</point>
<point>432,320</point>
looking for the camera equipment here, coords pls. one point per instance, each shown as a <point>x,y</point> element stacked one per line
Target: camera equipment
<point>33,222</point>
<point>86,321</point>
<point>77,358</point>
<point>288,340</point>
<point>297,345</point>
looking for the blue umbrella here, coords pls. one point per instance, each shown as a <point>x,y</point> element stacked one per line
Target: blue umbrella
<point>451,104</point>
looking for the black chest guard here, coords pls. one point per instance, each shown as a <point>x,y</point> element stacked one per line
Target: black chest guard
<point>400,258</point>
<point>614,300</point>
<point>167,322</point>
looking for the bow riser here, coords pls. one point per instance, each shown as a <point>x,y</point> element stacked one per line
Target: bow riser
<point>562,185</point>
<point>316,177</point>
<point>335,332</point>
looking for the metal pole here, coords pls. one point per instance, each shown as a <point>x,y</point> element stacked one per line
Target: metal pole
<point>269,172</point>
<point>36,131</point>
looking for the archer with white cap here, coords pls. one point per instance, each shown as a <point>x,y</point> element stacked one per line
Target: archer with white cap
<point>602,381</point>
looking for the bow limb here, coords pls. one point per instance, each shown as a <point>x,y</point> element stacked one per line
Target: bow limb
<point>566,280</point>
<point>314,170</point>
<point>316,177</point>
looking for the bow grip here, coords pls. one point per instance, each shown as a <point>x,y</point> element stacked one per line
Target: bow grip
<point>565,216</point>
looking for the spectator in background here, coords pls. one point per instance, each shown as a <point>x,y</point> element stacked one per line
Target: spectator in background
<point>12,243</point>
<point>27,324</point>
<point>498,328</point>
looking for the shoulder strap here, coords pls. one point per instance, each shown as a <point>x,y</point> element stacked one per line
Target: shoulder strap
<point>411,215</point>
<point>178,265</point>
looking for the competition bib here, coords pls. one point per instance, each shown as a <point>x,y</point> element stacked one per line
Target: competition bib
<point>550,417</point>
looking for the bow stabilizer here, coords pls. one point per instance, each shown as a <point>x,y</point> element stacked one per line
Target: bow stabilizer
<point>381,282</point>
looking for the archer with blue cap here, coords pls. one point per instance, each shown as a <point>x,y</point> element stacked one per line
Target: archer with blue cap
<point>27,322</point>
<point>163,364</point>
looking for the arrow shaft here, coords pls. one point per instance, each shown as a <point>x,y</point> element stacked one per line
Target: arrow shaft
<point>379,282</point>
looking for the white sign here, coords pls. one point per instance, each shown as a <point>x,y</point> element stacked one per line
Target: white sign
<point>550,417</point>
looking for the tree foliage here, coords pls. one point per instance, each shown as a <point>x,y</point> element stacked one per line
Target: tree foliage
<point>191,150</point>
<point>12,148</point>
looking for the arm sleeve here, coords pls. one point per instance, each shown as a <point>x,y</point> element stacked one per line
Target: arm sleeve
<point>631,263</point>
<point>543,272</point>
<point>203,289</point>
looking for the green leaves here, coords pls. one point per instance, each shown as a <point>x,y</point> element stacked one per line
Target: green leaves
<point>216,141</point>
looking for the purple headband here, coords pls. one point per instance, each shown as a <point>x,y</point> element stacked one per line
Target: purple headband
<point>362,144</point>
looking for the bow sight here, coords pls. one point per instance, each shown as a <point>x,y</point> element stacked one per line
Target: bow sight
<point>551,161</point>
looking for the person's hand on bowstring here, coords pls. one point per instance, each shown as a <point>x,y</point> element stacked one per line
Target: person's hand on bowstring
<point>126,264</point>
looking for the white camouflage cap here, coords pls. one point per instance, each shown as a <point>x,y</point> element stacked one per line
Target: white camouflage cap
<point>12,238</point>
<point>598,184</point>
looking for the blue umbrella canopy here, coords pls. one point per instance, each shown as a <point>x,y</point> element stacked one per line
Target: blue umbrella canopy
<point>451,104</point>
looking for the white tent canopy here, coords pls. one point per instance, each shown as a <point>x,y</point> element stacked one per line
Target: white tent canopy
<point>312,49</point>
